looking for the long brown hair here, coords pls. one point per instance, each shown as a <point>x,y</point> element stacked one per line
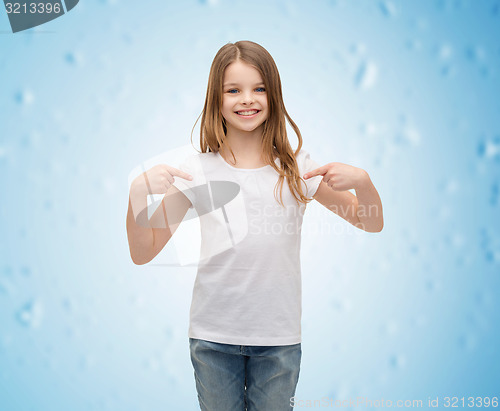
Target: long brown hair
<point>274,138</point>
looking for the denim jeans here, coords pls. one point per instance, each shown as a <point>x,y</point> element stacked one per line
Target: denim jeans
<point>243,377</point>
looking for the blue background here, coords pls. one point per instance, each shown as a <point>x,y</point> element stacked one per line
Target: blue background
<point>407,90</point>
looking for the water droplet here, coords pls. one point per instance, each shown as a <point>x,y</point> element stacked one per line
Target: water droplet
<point>137,300</point>
<point>366,76</point>
<point>65,139</point>
<point>23,232</point>
<point>445,51</point>
<point>397,361</point>
<point>341,305</point>
<point>484,298</point>
<point>494,194</point>
<point>74,220</point>
<point>413,249</point>
<point>467,341</point>
<point>419,321</point>
<point>56,167</point>
<point>211,3</point>
<point>335,346</point>
<point>414,45</point>
<point>24,97</point>
<point>48,205</point>
<point>421,23</point>
<point>343,391</point>
<point>290,10</point>
<point>490,246</point>
<point>490,148</point>
<point>358,48</point>
<point>152,364</point>
<point>5,341</point>
<point>495,10</point>
<point>73,58</point>
<point>449,187</point>
<point>68,304</point>
<point>430,284</point>
<point>485,71</point>
<point>387,8</point>
<point>449,5</point>
<point>70,331</point>
<point>389,328</point>
<point>6,286</point>
<point>408,136</point>
<point>455,240</point>
<point>169,333</point>
<point>128,38</point>
<point>448,70</point>
<point>475,53</point>
<point>369,128</point>
<point>30,315</point>
<point>31,140</point>
<point>7,271</point>
<point>87,361</point>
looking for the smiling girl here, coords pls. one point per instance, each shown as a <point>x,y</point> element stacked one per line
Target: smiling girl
<point>245,317</point>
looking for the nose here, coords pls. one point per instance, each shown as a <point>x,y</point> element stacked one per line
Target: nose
<point>247,97</point>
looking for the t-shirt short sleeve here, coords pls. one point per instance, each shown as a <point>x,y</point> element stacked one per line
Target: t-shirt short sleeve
<point>306,164</point>
<point>189,165</point>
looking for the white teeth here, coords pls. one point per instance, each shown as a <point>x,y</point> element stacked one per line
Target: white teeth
<point>247,113</point>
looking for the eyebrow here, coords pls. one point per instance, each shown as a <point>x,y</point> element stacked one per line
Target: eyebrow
<point>237,84</point>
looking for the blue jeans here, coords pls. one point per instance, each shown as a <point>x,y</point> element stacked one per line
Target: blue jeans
<point>243,377</point>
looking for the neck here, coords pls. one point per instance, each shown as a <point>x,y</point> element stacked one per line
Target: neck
<point>246,145</point>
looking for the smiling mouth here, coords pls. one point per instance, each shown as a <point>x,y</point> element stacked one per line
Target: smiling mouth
<point>247,113</point>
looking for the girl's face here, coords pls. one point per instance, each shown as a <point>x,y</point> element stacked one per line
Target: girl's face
<point>244,98</point>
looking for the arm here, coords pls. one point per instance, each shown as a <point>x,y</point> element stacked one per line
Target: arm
<point>369,209</point>
<point>363,210</point>
<point>147,238</point>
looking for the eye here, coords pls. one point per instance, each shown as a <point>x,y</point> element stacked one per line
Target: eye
<point>233,89</point>
<point>261,88</point>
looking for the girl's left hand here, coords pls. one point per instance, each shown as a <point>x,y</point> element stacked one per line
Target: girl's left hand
<point>339,176</point>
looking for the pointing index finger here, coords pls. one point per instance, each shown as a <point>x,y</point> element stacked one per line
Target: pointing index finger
<point>178,173</point>
<point>318,172</point>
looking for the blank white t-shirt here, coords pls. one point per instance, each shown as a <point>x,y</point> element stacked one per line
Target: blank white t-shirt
<point>247,289</point>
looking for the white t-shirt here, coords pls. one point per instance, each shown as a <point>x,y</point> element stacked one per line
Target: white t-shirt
<point>247,289</point>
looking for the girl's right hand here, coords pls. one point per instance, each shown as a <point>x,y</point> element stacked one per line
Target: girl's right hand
<point>158,179</point>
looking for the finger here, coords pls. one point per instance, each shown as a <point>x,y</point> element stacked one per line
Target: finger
<point>318,172</point>
<point>176,172</point>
